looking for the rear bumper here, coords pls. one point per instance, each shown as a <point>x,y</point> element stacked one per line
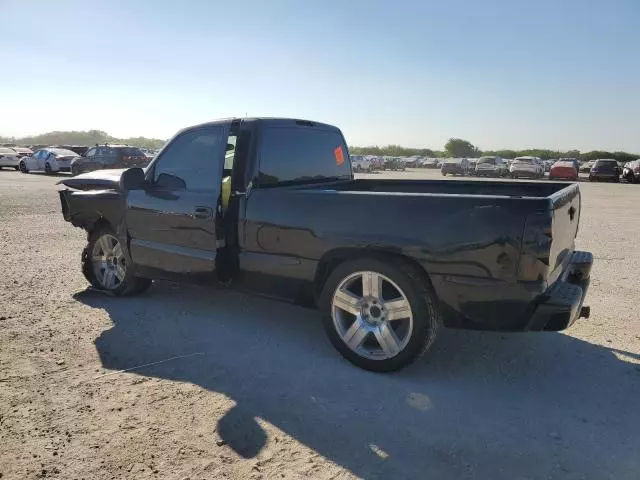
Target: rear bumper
<point>562,304</point>
<point>603,176</point>
<point>524,173</point>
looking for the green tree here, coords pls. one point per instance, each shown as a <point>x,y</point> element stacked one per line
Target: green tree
<point>457,147</point>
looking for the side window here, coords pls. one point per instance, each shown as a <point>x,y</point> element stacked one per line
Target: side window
<point>192,161</point>
<point>91,152</point>
<point>293,154</point>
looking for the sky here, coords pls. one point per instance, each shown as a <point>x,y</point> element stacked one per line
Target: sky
<point>557,74</point>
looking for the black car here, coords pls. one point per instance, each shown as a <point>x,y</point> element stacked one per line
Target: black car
<point>394,163</point>
<point>455,166</point>
<point>605,169</point>
<point>109,156</point>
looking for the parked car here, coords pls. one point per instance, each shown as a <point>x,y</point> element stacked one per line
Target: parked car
<point>23,151</point>
<point>548,163</point>
<point>298,224</point>
<point>585,167</point>
<point>526,167</point>
<point>360,163</point>
<point>377,163</point>
<point>491,167</point>
<point>413,162</point>
<point>605,169</point>
<point>473,162</point>
<point>563,170</point>
<point>109,156</point>
<point>631,171</point>
<point>9,158</point>
<point>431,163</point>
<point>455,166</point>
<point>48,160</point>
<point>394,163</point>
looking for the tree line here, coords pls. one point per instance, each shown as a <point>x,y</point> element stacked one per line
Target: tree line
<point>455,147</point>
<point>89,137</point>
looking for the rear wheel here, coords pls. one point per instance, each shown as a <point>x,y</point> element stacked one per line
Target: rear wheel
<point>107,266</point>
<point>379,314</point>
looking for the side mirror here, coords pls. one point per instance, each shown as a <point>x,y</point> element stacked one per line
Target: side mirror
<point>132,179</point>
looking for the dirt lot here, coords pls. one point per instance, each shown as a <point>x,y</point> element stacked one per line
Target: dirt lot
<point>189,382</point>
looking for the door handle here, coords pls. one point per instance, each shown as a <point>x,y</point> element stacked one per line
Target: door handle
<point>202,213</point>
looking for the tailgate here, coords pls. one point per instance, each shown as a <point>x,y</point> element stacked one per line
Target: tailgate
<point>564,228</point>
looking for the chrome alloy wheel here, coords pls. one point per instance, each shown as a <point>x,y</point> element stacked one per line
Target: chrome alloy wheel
<point>109,264</point>
<point>372,315</point>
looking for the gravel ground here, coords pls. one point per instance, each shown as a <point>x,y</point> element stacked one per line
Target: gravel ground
<point>190,382</point>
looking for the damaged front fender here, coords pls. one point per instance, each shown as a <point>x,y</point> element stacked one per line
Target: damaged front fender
<point>85,208</point>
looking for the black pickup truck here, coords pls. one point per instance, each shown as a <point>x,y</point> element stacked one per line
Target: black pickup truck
<point>271,206</point>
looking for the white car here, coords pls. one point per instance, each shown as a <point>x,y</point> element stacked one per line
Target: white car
<point>527,166</point>
<point>48,160</point>
<point>360,163</point>
<point>9,158</point>
<point>491,167</point>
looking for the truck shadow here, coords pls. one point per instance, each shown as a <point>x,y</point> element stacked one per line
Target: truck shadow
<point>478,405</point>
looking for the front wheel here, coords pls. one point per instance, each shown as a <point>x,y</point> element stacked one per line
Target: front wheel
<point>47,169</point>
<point>107,265</point>
<point>379,314</point>
<point>23,167</point>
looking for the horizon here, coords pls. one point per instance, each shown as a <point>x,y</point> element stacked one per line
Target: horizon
<point>19,140</point>
<point>499,75</point>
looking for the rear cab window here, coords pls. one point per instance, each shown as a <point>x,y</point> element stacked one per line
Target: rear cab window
<point>294,154</point>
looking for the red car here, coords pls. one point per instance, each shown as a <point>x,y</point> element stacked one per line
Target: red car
<point>563,170</point>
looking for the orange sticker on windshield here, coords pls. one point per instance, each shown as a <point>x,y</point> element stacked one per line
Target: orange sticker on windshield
<point>339,155</point>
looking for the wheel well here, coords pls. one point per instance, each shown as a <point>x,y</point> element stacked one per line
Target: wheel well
<point>332,259</point>
<point>98,224</point>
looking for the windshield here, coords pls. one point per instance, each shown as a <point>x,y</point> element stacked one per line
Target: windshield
<point>606,163</point>
<point>61,152</point>
<point>487,160</point>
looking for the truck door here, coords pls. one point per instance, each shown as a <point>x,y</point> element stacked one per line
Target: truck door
<point>172,221</point>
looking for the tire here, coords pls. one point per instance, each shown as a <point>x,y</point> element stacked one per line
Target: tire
<point>17,168</point>
<point>405,337</point>
<point>23,167</point>
<point>444,174</point>
<point>75,170</point>
<point>125,283</point>
<point>47,169</point>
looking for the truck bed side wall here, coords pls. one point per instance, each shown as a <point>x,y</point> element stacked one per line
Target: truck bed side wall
<point>469,247</point>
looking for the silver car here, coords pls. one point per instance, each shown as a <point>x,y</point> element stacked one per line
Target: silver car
<point>531,167</point>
